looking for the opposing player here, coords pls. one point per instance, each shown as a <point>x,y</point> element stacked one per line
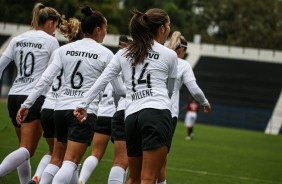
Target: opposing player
<point>31,52</point>
<point>192,109</point>
<point>149,70</point>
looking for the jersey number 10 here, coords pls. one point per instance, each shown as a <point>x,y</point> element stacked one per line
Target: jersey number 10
<point>23,64</point>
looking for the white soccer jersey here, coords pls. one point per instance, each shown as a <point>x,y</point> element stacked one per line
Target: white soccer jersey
<point>31,52</point>
<point>107,107</point>
<point>185,74</point>
<point>83,62</point>
<point>121,104</point>
<point>53,93</point>
<point>146,84</point>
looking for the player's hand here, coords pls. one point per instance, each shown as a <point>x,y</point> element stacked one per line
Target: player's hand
<point>207,109</point>
<point>21,115</point>
<point>80,114</point>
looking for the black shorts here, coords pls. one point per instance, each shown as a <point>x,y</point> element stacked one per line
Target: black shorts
<point>47,122</point>
<point>118,126</point>
<point>103,125</point>
<point>174,123</point>
<point>148,129</point>
<point>14,104</point>
<point>67,127</point>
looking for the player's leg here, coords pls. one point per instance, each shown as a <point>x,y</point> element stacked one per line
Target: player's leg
<point>152,163</point>
<point>48,126</point>
<point>100,142</point>
<point>79,138</point>
<point>135,167</point>
<point>120,164</point>
<point>118,170</point>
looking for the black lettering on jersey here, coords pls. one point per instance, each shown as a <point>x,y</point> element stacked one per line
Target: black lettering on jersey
<point>72,92</point>
<point>29,44</point>
<point>54,94</point>
<point>153,55</point>
<point>82,54</point>
<point>141,94</point>
<point>25,80</point>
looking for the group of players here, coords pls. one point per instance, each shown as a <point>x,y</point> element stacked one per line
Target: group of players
<point>81,93</point>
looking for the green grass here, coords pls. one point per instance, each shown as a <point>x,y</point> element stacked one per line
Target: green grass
<point>217,155</point>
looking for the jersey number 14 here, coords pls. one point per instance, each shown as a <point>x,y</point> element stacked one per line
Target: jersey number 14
<point>140,79</point>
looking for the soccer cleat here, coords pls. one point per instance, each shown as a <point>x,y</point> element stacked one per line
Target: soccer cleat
<point>188,138</point>
<point>34,180</point>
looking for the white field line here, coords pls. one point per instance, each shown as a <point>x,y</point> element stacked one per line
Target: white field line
<point>222,175</point>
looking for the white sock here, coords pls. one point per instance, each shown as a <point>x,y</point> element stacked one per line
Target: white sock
<point>74,179</point>
<point>13,160</point>
<point>65,173</point>
<point>163,182</point>
<point>116,175</point>
<point>88,167</point>
<point>45,160</point>
<point>24,172</point>
<point>49,173</point>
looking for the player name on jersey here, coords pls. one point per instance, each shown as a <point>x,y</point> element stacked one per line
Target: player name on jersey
<point>141,94</point>
<point>82,54</point>
<point>71,92</point>
<point>29,44</point>
<point>24,80</point>
<point>54,94</point>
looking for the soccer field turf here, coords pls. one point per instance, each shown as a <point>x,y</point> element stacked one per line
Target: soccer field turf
<point>217,155</point>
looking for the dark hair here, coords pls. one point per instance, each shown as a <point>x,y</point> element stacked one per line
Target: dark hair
<point>124,41</point>
<point>123,38</point>
<point>41,14</point>
<point>91,20</point>
<point>143,28</point>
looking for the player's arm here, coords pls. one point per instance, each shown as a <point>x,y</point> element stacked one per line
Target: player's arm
<point>111,72</point>
<point>4,61</point>
<point>46,80</point>
<point>198,95</point>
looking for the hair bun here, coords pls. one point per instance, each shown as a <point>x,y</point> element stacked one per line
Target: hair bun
<point>86,10</point>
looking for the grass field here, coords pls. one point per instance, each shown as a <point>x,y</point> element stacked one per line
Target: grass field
<point>216,156</point>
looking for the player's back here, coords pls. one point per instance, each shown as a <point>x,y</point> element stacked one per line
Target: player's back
<point>83,62</point>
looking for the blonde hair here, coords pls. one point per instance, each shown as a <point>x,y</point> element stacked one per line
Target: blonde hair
<point>71,29</point>
<point>41,14</point>
<point>176,41</point>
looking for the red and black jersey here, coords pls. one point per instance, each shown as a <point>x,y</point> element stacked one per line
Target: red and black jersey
<point>193,106</point>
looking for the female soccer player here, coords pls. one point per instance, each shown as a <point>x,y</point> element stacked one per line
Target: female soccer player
<point>31,52</point>
<point>82,61</point>
<point>149,70</point>
<point>113,127</point>
<point>184,75</point>
<point>72,31</point>
<point>102,129</point>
